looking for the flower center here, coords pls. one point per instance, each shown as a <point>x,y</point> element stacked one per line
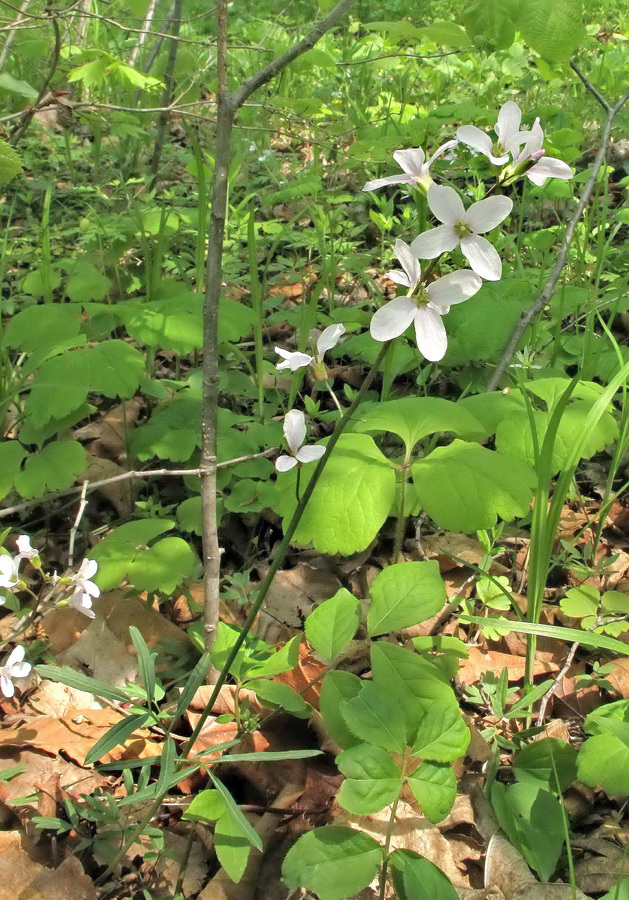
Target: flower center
<point>421,297</point>
<point>462,229</point>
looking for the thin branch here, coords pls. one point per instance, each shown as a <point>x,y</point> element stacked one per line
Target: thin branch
<point>167,96</point>
<point>550,284</point>
<point>360,62</point>
<point>143,32</point>
<point>11,35</point>
<point>27,115</point>
<point>591,88</point>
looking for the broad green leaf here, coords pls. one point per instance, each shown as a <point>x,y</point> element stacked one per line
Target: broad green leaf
<point>119,548</point>
<point>585,603</point>
<point>232,847</point>
<point>163,566</point>
<point>115,736</point>
<point>448,33</point>
<point>41,326</point>
<point>336,688</point>
<point>491,408</point>
<point>434,787</point>
<point>540,760</point>
<point>173,432</point>
<point>15,86</point>
<point>10,162</point>
<point>283,660</point>
<point>553,28</point>
<point>189,516</point>
<point>414,682</point>
<point>414,418</point>
<point>52,469</point>
<point>603,761</point>
<point>375,717</point>
<point>465,487</point>
<point>620,891</point>
<point>173,324</point>
<point>11,455</point>
<point>532,820</point>
<point>283,696</point>
<point>351,501</point>
<point>373,780</point>
<point>405,594</point>
<point>238,818</point>
<point>332,625</point>
<point>416,878</point>
<point>442,735</point>
<point>334,862</point>
<point>39,282</point>
<point>87,283</point>
<point>207,806</point>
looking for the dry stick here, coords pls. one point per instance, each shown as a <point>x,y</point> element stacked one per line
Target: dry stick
<point>227,106</point>
<point>11,35</point>
<point>167,96</point>
<point>29,112</point>
<point>126,476</point>
<point>551,282</point>
<point>143,32</point>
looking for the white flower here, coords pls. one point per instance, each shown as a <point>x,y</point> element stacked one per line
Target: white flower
<point>81,580</point>
<point>295,434</point>
<point>24,547</point>
<point>83,602</point>
<point>426,308</point>
<point>9,572</point>
<point>293,361</point>
<point>14,667</point>
<point>328,339</point>
<point>415,166</point>
<point>464,228</point>
<point>506,128</point>
<point>532,150</point>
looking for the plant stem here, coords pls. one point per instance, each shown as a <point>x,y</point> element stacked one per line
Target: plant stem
<point>400,525</point>
<point>167,96</point>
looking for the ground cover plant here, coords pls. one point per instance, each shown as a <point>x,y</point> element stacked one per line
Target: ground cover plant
<point>315,450</point>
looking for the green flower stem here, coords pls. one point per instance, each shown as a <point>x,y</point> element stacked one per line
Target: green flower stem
<point>283,548</point>
<point>387,842</point>
<point>400,525</point>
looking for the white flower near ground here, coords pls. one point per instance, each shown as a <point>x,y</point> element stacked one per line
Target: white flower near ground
<point>414,165</point>
<point>507,127</point>
<point>295,434</point>
<point>83,602</point>
<point>464,227</point>
<point>82,582</point>
<point>527,147</point>
<point>424,306</point>
<point>26,551</point>
<point>328,339</point>
<point>9,572</point>
<point>14,667</point>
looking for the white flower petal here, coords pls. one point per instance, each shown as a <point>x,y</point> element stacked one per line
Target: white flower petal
<point>549,167</point>
<point>293,361</point>
<point>440,151</point>
<point>21,670</point>
<point>90,588</point>
<point>15,657</point>
<point>89,568</point>
<point>329,338</point>
<point>454,288</point>
<point>6,686</point>
<point>435,241</point>
<point>399,277</point>
<point>392,319</point>
<point>509,119</point>
<point>409,263</point>
<point>445,204</point>
<point>390,179</point>
<point>310,453</point>
<point>530,141</point>
<point>430,333</point>
<point>24,547</point>
<point>482,257</point>
<point>285,463</point>
<point>475,138</point>
<point>294,429</point>
<point>411,161</point>
<point>485,214</point>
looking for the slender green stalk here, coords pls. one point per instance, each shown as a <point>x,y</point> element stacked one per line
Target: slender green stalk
<point>400,524</point>
<point>258,310</point>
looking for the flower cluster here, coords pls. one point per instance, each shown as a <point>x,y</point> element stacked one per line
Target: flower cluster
<point>515,153</point>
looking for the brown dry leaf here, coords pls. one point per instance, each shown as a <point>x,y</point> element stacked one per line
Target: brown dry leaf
<point>292,596</point>
<point>75,734</point>
<point>481,661</point>
<point>121,494</point>
<point>446,547</point>
<point>67,882</point>
<point>293,289</point>
<point>619,677</point>
<point>51,698</point>
<point>570,697</point>
<point>308,669</point>
<point>17,871</point>
<point>160,875</point>
<point>571,521</point>
<point>109,434</point>
<point>599,873</point>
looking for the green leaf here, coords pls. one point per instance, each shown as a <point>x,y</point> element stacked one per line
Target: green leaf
<point>338,687</point>
<point>620,891</point>
<point>237,816</point>
<point>73,679</point>
<point>465,487</point>
<point>372,782</point>
<point>553,28</point>
<point>442,734</point>
<point>448,33</point>
<point>15,86</point>
<point>375,717</point>
<point>87,283</point>
<point>414,418</point>
<point>46,325</point>
<point>146,663</point>
<point>405,594</point>
<point>414,682</point>
<point>11,455</point>
<point>174,323</point>
<point>334,862</point>
<point>163,566</point>
<point>10,162</point>
<point>282,696</point>
<point>115,736</point>
<point>194,682</point>
<point>232,847</point>
<point>39,282</point>
<point>207,806</point>
<point>532,820</point>
<point>351,501</point>
<point>416,878</point>
<point>603,761</point>
<point>491,408</point>
<point>538,762</point>
<point>504,626</point>
<point>283,660</point>
<point>332,625</point>
<point>434,787</point>
<point>52,469</point>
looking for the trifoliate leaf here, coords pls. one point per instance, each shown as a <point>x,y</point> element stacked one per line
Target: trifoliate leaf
<point>442,735</point>
<point>533,821</point>
<point>416,878</point>
<point>373,780</point>
<point>405,594</point>
<point>434,787</point>
<point>544,762</point>
<point>465,487</point>
<point>338,687</point>
<point>375,717</point>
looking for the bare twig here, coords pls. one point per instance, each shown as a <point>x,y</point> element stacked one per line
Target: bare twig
<point>550,284</point>
<point>368,59</point>
<point>556,682</point>
<point>11,35</point>
<point>143,32</point>
<point>167,96</point>
<point>76,523</point>
<point>27,115</point>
